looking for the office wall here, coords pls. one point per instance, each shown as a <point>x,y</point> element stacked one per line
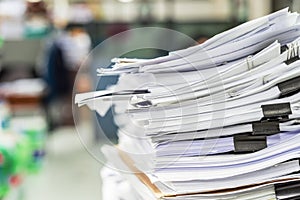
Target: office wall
<point>189,10</point>
<point>258,8</point>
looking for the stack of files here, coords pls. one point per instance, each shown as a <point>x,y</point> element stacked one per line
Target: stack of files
<point>220,120</point>
<point>114,180</point>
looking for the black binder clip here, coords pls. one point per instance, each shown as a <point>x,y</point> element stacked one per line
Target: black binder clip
<point>288,191</point>
<point>276,112</point>
<point>292,52</point>
<point>289,87</point>
<point>249,143</point>
<point>265,128</point>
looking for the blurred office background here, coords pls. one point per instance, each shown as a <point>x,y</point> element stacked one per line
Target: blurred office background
<point>42,46</point>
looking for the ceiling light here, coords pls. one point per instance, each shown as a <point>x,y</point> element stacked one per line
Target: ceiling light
<point>125,1</point>
<point>34,1</point>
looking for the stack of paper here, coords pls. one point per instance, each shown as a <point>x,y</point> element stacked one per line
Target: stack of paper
<point>218,120</point>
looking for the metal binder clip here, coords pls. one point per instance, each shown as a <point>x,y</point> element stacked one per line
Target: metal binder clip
<point>249,143</point>
<point>289,87</point>
<point>140,102</point>
<point>289,190</point>
<point>232,93</point>
<point>265,128</point>
<point>277,111</point>
<point>250,62</point>
<point>293,50</point>
<point>265,80</point>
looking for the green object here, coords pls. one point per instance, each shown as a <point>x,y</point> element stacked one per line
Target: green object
<point>4,186</point>
<point>36,145</point>
<point>22,144</point>
<point>22,156</point>
<point>1,42</point>
<point>19,158</point>
<point>36,33</point>
<point>5,167</point>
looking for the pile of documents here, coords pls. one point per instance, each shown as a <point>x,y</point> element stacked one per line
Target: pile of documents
<point>220,120</point>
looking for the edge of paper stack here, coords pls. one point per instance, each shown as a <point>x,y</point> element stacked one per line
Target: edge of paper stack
<point>219,120</point>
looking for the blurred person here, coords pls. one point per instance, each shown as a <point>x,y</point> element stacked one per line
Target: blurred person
<point>76,44</point>
<point>67,50</point>
<point>37,20</point>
